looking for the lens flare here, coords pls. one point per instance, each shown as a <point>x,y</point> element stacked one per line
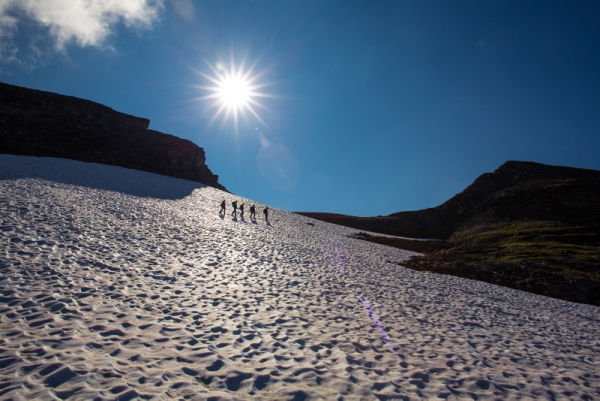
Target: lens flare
<point>277,165</point>
<point>335,255</point>
<point>373,316</point>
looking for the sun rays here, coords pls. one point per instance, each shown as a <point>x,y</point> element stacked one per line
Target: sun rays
<point>234,92</point>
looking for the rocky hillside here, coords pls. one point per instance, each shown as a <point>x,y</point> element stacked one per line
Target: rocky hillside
<point>526,226</point>
<point>516,191</point>
<point>37,123</point>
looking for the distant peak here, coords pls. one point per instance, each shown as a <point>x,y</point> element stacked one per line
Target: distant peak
<point>538,169</point>
<point>512,165</point>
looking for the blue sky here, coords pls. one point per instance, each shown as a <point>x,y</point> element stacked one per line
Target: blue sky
<point>377,107</point>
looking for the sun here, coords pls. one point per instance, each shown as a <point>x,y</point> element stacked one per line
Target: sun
<point>234,92</point>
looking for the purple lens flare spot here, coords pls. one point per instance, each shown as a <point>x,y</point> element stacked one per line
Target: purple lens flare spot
<point>373,316</point>
<point>335,255</point>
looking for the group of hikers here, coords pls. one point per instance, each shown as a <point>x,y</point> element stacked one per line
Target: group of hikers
<point>234,204</point>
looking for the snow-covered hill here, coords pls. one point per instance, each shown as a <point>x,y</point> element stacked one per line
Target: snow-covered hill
<point>118,283</point>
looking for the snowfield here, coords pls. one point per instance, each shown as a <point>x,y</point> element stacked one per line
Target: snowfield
<point>121,284</point>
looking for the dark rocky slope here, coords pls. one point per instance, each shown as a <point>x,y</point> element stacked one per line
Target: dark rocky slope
<point>515,191</point>
<point>526,226</point>
<point>37,123</point>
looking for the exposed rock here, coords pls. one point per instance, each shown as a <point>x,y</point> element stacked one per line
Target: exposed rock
<point>37,123</point>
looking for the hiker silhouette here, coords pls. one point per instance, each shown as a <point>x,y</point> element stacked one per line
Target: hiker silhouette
<point>234,204</point>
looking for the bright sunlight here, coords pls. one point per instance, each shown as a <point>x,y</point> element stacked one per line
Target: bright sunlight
<point>235,92</point>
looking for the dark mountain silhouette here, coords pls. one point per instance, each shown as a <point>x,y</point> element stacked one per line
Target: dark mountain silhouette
<point>37,123</point>
<point>527,226</point>
<point>516,191</point>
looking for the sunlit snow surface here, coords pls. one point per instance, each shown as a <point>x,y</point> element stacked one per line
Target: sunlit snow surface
<point>117,283</point>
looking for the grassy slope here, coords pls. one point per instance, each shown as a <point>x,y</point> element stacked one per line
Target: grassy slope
<point>533,240</point>
<point>545,258</point>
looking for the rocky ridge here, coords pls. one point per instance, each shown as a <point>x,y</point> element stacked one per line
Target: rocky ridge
<point>38,123</point>
<point>516,191</point>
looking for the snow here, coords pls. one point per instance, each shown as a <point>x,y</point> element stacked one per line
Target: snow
<point>117,283</point>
